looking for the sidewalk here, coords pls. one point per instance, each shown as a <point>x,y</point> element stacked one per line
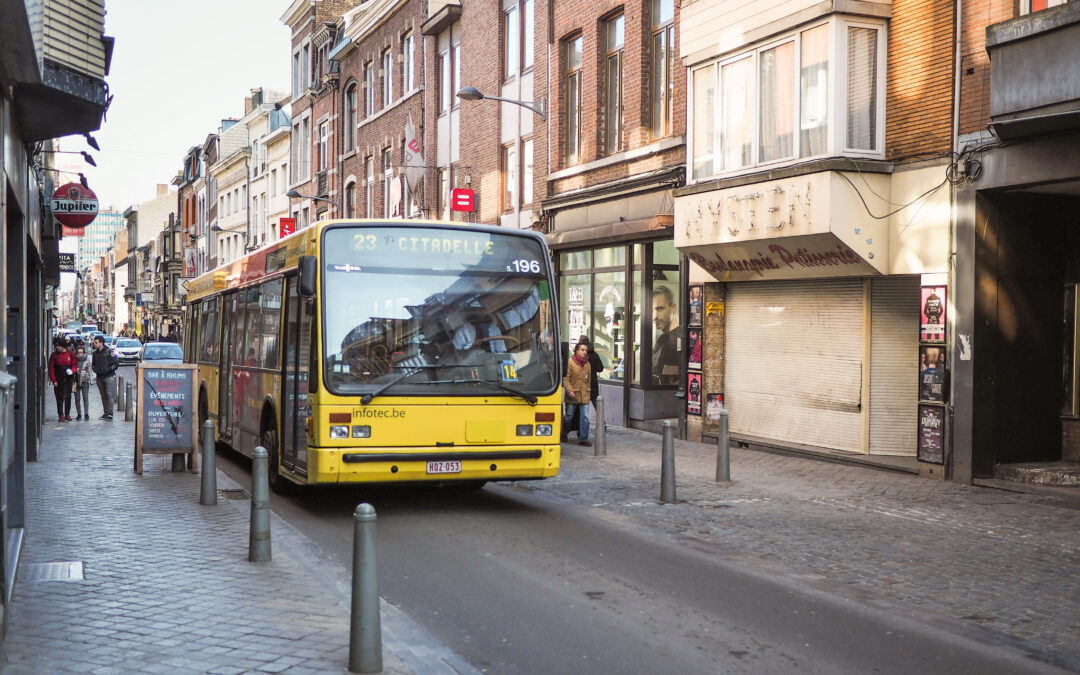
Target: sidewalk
<point>1000,566</point>
<point>130,574</point>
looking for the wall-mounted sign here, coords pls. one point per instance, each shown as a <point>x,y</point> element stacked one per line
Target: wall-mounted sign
<point>286,226</point>
<point>72,231</point>
<point>932,325</point>
<point>74,205</point>
<point>191,265</point>
<point>931,436</point>
<point>67,262</point>
<point>462,199</point>
<point>693,339</point>
<point>693,394</point>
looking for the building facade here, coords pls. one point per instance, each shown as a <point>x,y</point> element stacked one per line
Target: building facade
<point>816,221</point>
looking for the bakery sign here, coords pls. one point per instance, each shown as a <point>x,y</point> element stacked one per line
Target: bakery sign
<point>807,226</point>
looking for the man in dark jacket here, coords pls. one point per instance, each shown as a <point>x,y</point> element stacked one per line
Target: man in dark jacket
<point>104,363</point>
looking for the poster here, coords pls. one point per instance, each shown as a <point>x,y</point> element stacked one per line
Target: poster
<point>714,406</point>
<point>933,314</point>
<point>697,304</point>
<point>932,373</point>
<point>575,311</point>
<point>693,337</point>
<point>931,436</point>
<point>166,407</point>
<point>693,394</point>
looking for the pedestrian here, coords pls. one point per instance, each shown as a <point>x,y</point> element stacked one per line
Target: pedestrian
<point>62,375</point>
<point>104,363</point>
<point>577,388</point>
<point>84,377</point>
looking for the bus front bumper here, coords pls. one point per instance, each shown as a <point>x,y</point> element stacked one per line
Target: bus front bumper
<point>396,465</point>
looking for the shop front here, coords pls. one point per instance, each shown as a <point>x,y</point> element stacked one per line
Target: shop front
<point>812,331</point>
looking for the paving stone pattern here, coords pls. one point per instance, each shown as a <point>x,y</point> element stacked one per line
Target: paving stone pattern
<point>168,587</point>
<point>1000,565</point>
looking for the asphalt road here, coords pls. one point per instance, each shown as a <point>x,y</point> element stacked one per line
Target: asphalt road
<point>515,581</point>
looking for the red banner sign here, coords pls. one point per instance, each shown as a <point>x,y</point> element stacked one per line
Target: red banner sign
<point>72,231</point>
<point>286,226</point>
<point>462,199</point>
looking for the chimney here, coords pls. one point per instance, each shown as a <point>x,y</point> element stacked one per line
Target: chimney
<point>162,189</point>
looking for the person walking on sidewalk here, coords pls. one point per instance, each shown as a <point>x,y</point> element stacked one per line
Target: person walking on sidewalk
<point>84,377</point>
<point>104,363</point>
<point>62,375</point>
<point>577,387</point>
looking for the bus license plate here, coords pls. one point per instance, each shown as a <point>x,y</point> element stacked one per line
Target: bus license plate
<point>444,467</point>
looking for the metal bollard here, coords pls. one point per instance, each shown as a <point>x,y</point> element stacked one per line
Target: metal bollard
<point>208,489</point>
<point>119,382</point>
<point>259,541</point>
<point>667,464</point>
<point>601,429</point>
<point>365,628</point>
<point>129,404</point>
<point>723,453</point>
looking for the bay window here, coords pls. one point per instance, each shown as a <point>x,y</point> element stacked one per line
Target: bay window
<point>812,93</point>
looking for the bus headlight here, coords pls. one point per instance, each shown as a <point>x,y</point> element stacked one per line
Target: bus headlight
<point>544,429</point>
<point>361,431</point>
<point>524,430</point>
<point>339,431</point>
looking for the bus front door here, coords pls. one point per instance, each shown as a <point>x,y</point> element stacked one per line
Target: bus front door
<point>299,318</point>
<point>226,388</point>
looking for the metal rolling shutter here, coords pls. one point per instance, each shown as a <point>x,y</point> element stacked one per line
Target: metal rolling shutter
<point>894,365</point>
<point>793,361</point>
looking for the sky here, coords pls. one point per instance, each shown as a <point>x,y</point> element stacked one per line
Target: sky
<point>177,71</point>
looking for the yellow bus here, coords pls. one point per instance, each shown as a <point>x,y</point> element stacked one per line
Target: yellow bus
<point>383,352</point>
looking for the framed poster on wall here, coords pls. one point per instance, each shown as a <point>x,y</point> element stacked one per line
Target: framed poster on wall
<point>932,324</point>
<point>697,304</point>
<point>931,436</point>
<point>932,373</point>
<point>693,394</point>
<point>693,338</point>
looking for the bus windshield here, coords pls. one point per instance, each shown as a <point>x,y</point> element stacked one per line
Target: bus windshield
<point>431,311</point>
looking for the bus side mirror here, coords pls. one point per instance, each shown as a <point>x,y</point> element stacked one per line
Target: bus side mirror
<point>308,270</point>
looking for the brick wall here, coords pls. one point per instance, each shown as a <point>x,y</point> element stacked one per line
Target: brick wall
<point>919,89</point>
<point>386,127</point>
<point>975,62</point>
<point>587,18</point>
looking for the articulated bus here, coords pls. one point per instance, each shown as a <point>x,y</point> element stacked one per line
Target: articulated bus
<point>383,352</point>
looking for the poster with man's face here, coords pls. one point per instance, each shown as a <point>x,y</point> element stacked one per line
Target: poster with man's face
<point>667,346</point>
<point>932,325</point>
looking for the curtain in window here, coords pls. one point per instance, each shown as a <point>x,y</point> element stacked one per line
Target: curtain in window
<point>704,139</point>
<point>737,136</point>
<point>862,89</point>
<point>814,92</point>
<point>777,102</point>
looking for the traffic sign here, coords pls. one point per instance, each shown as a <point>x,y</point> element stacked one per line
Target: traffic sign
<point>74,205</point>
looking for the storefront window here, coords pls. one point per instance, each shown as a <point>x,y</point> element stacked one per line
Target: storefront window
<point>638,248</point>
<point>610,257</point>
<point>576,260</point>
<point>664,253</point>
<point>609,321</point>
<point>667,344</point>
<point>576,298</point>
<point>635,323</point>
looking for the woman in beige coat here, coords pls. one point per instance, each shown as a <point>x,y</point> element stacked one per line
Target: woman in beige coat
<point>577,385</point>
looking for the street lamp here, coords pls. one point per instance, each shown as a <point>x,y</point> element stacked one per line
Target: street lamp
<point>217,228</point>
<point>474,94</point>
<point>293,194</point>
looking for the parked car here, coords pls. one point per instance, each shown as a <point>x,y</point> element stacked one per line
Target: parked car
<point>110,341</point>
<point>156,353</point>
<point>128,350</point>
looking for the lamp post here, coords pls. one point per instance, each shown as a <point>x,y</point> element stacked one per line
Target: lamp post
<point>293,194</point>
<point>474,94</point>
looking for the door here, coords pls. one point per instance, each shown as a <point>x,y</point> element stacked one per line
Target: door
<point>299,315</point>
<point>226,392</point>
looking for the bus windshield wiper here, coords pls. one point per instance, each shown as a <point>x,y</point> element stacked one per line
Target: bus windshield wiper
<point>412,370</point>
<point>528,398</point>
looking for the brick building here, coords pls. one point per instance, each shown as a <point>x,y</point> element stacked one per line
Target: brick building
<point>816,217</point>
<point>617,124</point>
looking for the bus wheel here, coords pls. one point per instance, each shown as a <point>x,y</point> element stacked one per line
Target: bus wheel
<point>278,483</point>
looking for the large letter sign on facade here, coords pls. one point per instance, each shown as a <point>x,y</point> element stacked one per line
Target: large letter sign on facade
<point>74,205</point>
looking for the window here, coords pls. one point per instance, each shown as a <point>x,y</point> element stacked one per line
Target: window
<point>305,66</point>
<point>408,67</point>
<point>369,187</point>
<point>526,172</point>
<point>350,200</point>
<point>449,73</point>
<point>388,177</point>
<point>802,95</point>
<point>528,28</point>
<point>511,42</point>
<point>509,177</point>
<point>613,85</point>
<point>324,145</point>
<point>1029,6</point>
<point>350,118</point>
<point>369,89</point>
<point>661,59</point>
<point>455,82</point>
<point>573,61</point>
<point>444,81</point>
<point>388,77</point>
